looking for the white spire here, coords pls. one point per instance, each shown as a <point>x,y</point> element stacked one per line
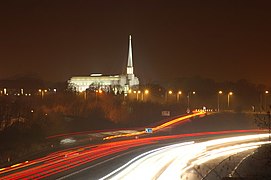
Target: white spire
<point>130,57</point>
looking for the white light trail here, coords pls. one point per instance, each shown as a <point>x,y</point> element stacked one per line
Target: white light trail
<point>135,163</point>
<point>170,162</point>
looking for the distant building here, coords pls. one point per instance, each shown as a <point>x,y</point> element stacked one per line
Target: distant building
<point>116,83</point>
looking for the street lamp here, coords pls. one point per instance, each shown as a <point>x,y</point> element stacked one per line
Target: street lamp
<point>128,94</point>
<point>265,99</point>
<point>178,95</point>
<point>229,94</point>
<point>146,92</point>
<point>168,93</point>
<point>42,92</point>
<point>188,99</point>
<point>84,94</point>
<point>96,94</point>
<point>218,103</point>
<point>138,92</point>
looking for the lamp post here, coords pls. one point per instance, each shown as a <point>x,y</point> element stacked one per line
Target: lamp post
<point>218,100</point>
<point>188,99</point>
<point>85,94</point>
<point>168,93</point>
<point>178,95</point>
<point>128,94</point>
<point>265,99</point>
<point>229,94</point>
<point>97,92</point>
<point>138,92</point>
<point>42,92</point>
<point>146,92</point>
<point>134,92</point>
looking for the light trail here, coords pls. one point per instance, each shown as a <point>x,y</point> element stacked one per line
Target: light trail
<point>62,161</point>
<point>65,160</point>
<point>135,162</point>
<point>159,127</point>
<point>171,162</point>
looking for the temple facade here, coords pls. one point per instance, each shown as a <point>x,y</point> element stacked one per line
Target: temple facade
<point>116,83</point>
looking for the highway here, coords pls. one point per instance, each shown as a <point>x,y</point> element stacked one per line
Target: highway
<point>177,160</point>
<point>95,161</point>
<point>123,156</point>
<point>69,160</point>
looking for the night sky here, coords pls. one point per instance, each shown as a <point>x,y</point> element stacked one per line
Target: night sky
<point>54,39</point>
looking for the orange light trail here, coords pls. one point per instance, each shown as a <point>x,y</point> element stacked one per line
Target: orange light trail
<point>166,124</point>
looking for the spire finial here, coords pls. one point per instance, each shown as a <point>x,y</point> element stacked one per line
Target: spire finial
<point>130,57</point>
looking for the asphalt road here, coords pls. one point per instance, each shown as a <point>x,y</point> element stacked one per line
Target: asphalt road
<point>181,159</point>
<point>97,161</point>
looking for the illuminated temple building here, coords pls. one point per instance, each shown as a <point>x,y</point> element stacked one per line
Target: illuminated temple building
<point>116,83</point>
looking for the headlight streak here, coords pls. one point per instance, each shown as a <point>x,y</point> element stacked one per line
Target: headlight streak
<point>64,160</point>
<point>137,160</point>
<point>235,139</point>
<point>180,162</point>
<point>172,162</point>
<point>213,154</point>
